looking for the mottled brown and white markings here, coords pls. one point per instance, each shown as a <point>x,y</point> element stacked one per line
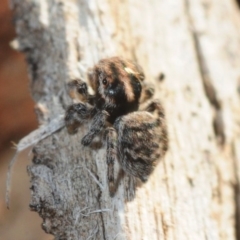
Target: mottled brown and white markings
<point>136,139</point>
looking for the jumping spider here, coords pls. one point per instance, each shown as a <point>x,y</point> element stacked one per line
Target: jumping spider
<point>136,138</point>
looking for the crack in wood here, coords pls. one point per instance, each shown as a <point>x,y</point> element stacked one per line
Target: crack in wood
<point>210,91</point>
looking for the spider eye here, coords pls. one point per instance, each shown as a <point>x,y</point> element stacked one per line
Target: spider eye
<point>104,81</point>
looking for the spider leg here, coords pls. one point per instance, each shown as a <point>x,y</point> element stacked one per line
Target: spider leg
<point>147,92</point>
<point>98,124</point>
<point>78,89</point>
<point>76,115</point>
<point>155,107</point>
<point>111,141</point>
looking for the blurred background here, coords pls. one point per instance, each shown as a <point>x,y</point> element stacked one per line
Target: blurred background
<point>17,119</point>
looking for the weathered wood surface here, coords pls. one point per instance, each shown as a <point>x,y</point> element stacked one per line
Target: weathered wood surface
<point>193,192</point>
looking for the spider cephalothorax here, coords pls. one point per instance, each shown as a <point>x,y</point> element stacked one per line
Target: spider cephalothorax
<point>136,138</point>
<point>117,84</point>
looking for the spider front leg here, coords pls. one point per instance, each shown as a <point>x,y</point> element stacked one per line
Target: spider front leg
<point>111,141</point>
<point>76,115</point>
<point>78,89</point>
<point>98,124</point>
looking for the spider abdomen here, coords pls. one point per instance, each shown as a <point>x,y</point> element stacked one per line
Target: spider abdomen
<point>141,142</point>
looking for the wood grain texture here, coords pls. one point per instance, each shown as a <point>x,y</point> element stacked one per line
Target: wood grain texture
<point>192,194</point>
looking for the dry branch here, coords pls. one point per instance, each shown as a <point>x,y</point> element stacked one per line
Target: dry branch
<point>192,193</point>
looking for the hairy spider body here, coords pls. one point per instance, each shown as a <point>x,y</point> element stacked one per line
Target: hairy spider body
<point>137,139</point>
<point>140,142</point>
<point>136,153</point>
<point>117,84</point>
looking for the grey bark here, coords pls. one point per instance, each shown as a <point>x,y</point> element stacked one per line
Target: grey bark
<point>194,192</point>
